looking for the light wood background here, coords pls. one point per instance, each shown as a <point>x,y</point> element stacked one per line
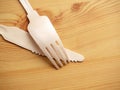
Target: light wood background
<point>89,27</point>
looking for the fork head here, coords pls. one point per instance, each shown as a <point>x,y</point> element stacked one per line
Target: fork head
<point>48,41</point>
<point>55,53</point>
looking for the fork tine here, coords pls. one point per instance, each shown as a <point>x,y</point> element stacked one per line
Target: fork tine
<point>60,53</point>
<point>62,48</point>
<point>67,58</point>
<point>54,55</point>
<point>46,52</point>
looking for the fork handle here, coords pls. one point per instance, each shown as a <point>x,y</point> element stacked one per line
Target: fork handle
<point>28,8</point>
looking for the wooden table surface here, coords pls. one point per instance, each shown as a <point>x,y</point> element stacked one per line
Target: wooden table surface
<point>89,27</point>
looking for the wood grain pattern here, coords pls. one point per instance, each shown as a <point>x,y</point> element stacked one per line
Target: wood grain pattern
<point>89,27</point>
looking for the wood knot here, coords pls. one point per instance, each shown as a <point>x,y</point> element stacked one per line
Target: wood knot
<point>58,18</point>
<point>76,6</point>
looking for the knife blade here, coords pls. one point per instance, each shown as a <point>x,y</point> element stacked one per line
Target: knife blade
<point>22,38</point>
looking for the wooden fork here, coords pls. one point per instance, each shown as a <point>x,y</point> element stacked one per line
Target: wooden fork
<point>45,36</point>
